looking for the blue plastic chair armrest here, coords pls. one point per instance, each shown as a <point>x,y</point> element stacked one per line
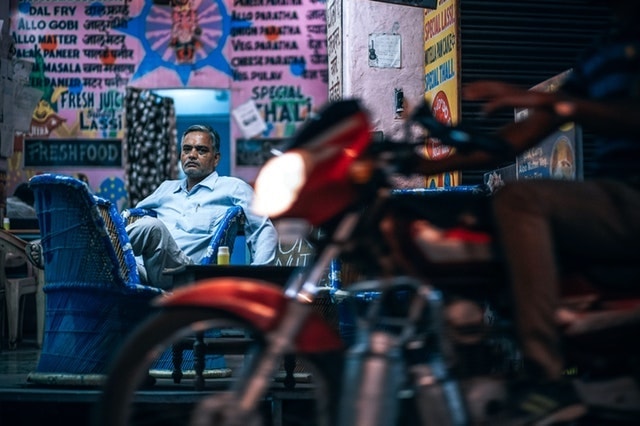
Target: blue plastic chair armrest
<point>224,235</point>
<point>133,213</point>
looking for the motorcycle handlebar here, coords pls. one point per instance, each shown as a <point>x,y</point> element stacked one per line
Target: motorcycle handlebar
<point>398,156</point>
<point>460,137</point>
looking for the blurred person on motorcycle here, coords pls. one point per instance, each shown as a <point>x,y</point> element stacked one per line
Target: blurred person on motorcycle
<point>189,209</point>
<point>542,223</point>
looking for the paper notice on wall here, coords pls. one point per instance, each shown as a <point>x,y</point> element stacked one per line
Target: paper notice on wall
<point>385,50</point>
<point>17,101</point>
<point>249,119</point>
<point>21,71</point>
<point>26,101</point>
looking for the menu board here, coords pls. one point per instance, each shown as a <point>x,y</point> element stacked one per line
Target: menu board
<point>81,62</point>
<point>279,61</point>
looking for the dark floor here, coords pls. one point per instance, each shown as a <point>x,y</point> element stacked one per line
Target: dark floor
<point>26,404</point>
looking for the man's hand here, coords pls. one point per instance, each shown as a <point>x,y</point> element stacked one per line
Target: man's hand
<point>499,95</point>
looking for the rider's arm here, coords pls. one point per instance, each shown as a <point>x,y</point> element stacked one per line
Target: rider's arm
<point>547,112</point>
<point>520,135</point>
<point>614,118</point>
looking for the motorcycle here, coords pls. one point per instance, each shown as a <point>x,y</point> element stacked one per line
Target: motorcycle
<point>425,330</point>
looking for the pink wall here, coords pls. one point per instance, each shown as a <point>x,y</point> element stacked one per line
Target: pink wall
<point>376,86</point>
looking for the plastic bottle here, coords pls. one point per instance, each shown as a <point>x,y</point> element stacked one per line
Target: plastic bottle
<point>6,223</point>
<point>223,255</point>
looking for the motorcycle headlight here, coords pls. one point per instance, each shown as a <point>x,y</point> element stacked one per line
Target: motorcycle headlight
<point>278,184</point>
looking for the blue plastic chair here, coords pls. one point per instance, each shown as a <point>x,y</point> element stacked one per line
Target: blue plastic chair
<point>94,296</point>
<point>94,293</point>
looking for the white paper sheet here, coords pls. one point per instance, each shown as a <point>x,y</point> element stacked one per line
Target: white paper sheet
<point>249,119</point>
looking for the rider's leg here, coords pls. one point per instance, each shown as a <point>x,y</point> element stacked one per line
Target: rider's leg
<point>528,247</point>
<point>542,221</point>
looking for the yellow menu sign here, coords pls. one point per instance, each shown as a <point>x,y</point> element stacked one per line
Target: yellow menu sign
<point>442,81</point>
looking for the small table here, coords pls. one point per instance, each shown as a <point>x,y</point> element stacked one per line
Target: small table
<point>26,234</point>
<point>192,273</point>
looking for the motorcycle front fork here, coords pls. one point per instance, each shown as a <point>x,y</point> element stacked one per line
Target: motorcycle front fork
<point>382,362</point>
<point>301,290</point>
<point>373,375</point>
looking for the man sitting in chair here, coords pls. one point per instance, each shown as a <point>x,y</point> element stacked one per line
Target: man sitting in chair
<point>190,209</point>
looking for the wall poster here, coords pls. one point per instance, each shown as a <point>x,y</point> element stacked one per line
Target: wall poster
<point>81,62</point>
<point>442,78</point>
<point>559,155</point>
<point>385,50</point>
<point>86,53</point>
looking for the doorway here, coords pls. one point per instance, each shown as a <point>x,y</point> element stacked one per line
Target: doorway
<point>212,107</point>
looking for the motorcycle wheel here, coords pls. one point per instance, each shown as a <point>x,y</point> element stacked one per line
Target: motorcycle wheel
<point>138,394</point>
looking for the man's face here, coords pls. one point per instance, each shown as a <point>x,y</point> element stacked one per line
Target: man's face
<point>198,156</point>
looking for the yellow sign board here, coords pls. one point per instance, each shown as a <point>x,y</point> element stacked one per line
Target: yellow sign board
<point>442,81</point>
